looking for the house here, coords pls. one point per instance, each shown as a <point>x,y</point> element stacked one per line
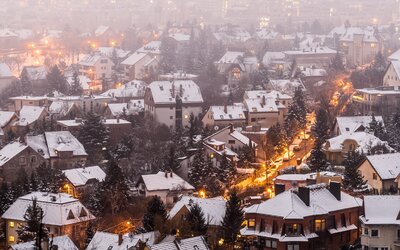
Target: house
<point>118,128</point>
<point>7,118</point>
<point>172,103</point>
<point>351,124</point>
<point>133,107</point>
<point>167,185</point>
<point>198,243</point>
<point>338,147</point>
<point>311,217</point>
<point>236,65</point>
<point>59,242</point>
<point>84,104</point>
<point>139,66</point>
<point>63,110</point>
<point>213,210</point>
<point>380,224</point>
<point>63,215</point>
<point>391,77</point>
<point>312,75</point>
<point>378,101</point>
<point>8,39</point>
<point>134,89</point>
<point>37,76</point>
<point>217,149</point>
<point>80,179</point>
<point>152,49</point>
<point>107,241</point>
<point>21,101</point>
<point>274,61</point>
<point>6,76</point>
<point>381,171</point>
<point>359,45</point>
<point>60,148</point>
<point>319,56</point>
<point>266,108</point>
<point>17,155</point>
<point>300,180</point>
<point>30,117</point>
<point>222,116</point>
<point>97,68</point>
<point>84,81</point>
<point>286,86</point>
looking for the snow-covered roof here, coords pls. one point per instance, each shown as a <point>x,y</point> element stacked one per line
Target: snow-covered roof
<point>152,47</point>
<point>350,124</point>
<point>7,33</point>
<point>266,34</point>
<point>180,37</point>
<point>134,58</point>
<point>233,112</point>
<point>231,57</point>
<point>159,181</point>
<point>29,114</point>
<point>380,91</point>
<point>5,71</point>
<point>62,242</point>
<point>304,177</point>
<point>101,30</point>
<point>213,208</point>
<point>387,166</point>
<point>210,143</point>
<point>60,107</point>
<point>59,209</point>
<point>395,56</point>
<point>258,94</point>
<point>364,140</point>
<point>29,98</point>
<point>308,72</point>
<point>81,176</point>
<point>286,86</point>
<point>10,150</point>
<point>107,241</point>
<point>38,143</point>
<point>109,51</point>
<point>83,80</point>
<point>272,56</point>
<point>24,33</point>
<point>165,92</point>
<point>90,60</point>
<point>197,243</point>
<point>288,204</point>
<point>133,89</point>
<point>257,105</point>
<point>35,73</point>
<point>381,210</point>
<point>59,141</point>
<point>316,50</point>
<point>6,117</point>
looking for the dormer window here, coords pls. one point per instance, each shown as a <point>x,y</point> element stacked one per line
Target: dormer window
<point>83,213</point>
<point>70,215</point>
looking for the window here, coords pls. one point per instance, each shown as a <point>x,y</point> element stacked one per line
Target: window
<point>262,225</point>
<point>83,213</point>
<point>252,222</point>
<point>320,225</point>
<point>253,119</point>
<point>343,219</point>
<point>171,117</point>
<point>365,232</point>
<point>11,224</point>
<point>271,243</point>
<point>293,247</point>
<point>231,141</point>
<point>70,215</point>
<point>398,234</point>
<point>33,158</point>
<point>293,229</point>
<point>11,238</point>
<point>22,160</point>
<point>374,176</point>
<point>374,233</point>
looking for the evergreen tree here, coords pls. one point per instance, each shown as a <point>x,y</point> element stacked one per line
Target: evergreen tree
<point>317,160</point>
<point>90,231</point>
<point>380,63</point>
<point>296,116</point>
<point>33,230</point>
<point>197,170</point>
<point>33,186</point>
<point>393,130</point>
<point>49,179</point>
<point>115,189</point>
<point>233,218</point>
<point>155,212</point>
<point>76,87</point>
<point>21,184</point>
<point>316,27</point>
<point>95,200</point>
<point>56,80</point>
<point>226,170</point>
<point>337,63</point>
<point>172,162</point>
<point>94,136</point>
<point>25,83</point>
<point>196,221</point>
<point>353,180</point>
<point>373,124</point>
<point>321,127</point>
<point>168,60</point>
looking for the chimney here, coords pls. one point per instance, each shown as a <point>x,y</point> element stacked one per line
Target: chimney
<point>181,90</point>
<point>334,188</point>
<point>173,90</point>
<point>166,174</point>
<point>263,100</point>
<point>170,173</point>
<point>225,109</point>
<point>304,195</point>
<point>231,128</point>
<point>119,239</point>
<point>279,188</point>
<point>117,119</point>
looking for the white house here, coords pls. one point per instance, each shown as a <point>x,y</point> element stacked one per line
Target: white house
<point>167,185</point>
<point>172,103</point>
<point>381,171</point>
<point>392,75</point>
<point>221,116</point>
<point>107,241</point>
<point>96,67</point>
<point>139,66</point>
<point>351,124</point>
<point>63,215</point>
<point>82,178</point>
<point>380,224</point>
<point>6,76</point>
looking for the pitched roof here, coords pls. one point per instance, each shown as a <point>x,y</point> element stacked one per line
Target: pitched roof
<point>101,30</point>
<point>6,117</point>
<point>29,115</point>
<point>134,58</point>
<point>233,112</point>
<point>59,141</point>
<point>151,47</point>
<point>159,181</point>
<point>387,166</point>
<point>38,143</point>
<point>213,208</point>
<point>350,124</point>
<point>56,208</point>
<point>231,57</point>
<point>10,150</point>
<point>197,243</point>
<point>286,86</point>
<point>364,140</point>
<point>81,176</point>
<point>133,89</point>
<point>5,71</point>
<point>381,210</point>
<point>107,241</point>
<point>90,60</point>
<point>187,90</point>
<point>36,72</point>
<point>288,205</point>
<point>62,242</point>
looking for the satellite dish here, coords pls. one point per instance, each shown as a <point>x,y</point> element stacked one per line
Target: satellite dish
<point>216,128</point>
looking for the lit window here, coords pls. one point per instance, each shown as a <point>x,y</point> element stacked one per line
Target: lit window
<point>11,238</point>
<point>372,45</point>
<point>252,222</point>
<point>319,225</point>
<point>11,224</point>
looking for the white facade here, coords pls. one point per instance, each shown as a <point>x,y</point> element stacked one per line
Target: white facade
<point>96,67</point>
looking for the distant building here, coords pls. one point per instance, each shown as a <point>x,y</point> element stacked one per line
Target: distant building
<point>380,222</point>
<point>107,241</point>
<point>116,110</point>
<point>351,124</point>
<point>134,89</point>
<point>304,218</point>
<point>381,172</point>
<point>167,185</point>
<point>20,101</point>
<point>222,116</point>
<point>392,75</point>
<point>139,66</point>
<point>82,179</point>
<point>97,68</point>
<point>63,215</point>
<point>30,117</point>
<point>37,76</point>
<point>378,101</point>
<point>301,180</point>
<point>6,76</point>
<point>7,118</point>
<point>172,103</point>
<point>319,56</point>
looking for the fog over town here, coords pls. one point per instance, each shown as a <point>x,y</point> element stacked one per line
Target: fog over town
<point>199,124</point>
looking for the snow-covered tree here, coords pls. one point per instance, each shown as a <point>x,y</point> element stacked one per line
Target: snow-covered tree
<point>57,81</point>
<point>321,127</point>
<point>196,220</point>
<point>76,87</point>
<point>393,129</point>
<point>155,213</point>
<point>353,180</point>
<point>33,229</point>
<point>233,218</point>
<point>296,116</point>
<point>337,63</point>
<point>197,172</point>
<point>317,160</point>
<point>226,171</point>
<point>49,179</point>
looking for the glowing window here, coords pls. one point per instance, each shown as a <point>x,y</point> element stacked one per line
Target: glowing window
<point>11,224</point>
<point>11,238</point>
